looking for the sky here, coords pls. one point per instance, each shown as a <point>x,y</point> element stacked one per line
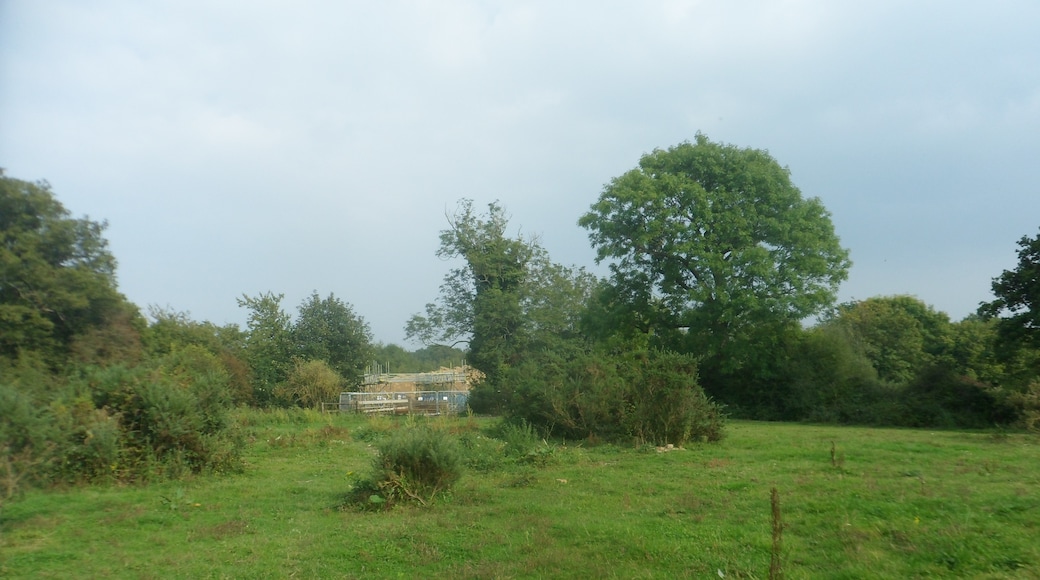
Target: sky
<point>243,147</point>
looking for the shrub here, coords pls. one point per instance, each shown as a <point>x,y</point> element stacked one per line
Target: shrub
<point>518,437</point>
<point>666,405</point>
<point>577,395</point>
<point>416,464</point>
<point>25,442</point>
<point>91,441</point>
<point>311,383</point>
<point>940,398</point>
<point>651,397</point>
<point>174,416</point>
<point>1027,404</point>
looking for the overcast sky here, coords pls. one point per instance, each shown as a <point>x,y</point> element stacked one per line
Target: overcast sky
<point>241,147</point>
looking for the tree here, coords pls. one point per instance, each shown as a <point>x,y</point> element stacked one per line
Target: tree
<point>328,330</point>
<point>1017,292</point>
<point>481,302</point>
<point>900,335</point>
<point>554,300</point>
<point>268,346</point>
<point>508,299</point>
<point>395,359</point>
<point>57,281</point>
<point>711,246</point>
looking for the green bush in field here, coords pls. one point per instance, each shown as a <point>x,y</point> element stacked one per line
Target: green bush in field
<point>92,442</point>
<point>160,419</point>
<point>576,395</point>
<point>415,464</point>
<point>651,397</point>
<point>518,437</point>
<point>666,405</point>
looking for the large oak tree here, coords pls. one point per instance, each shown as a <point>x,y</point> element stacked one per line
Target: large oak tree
<point>711,245</point>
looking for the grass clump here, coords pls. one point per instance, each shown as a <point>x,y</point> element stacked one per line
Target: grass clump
<point>413,465</point>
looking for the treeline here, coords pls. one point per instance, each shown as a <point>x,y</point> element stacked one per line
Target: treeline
<point>91,389</point>
<point>715,261</point>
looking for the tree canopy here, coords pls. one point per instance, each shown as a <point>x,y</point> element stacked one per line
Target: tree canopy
<point>1017,294</point>
<point>57,278</point>
<point>328,330</point>
<point>708,242</point>
<point>900,335</point>
<point>481,301</point>
<point>507,298</point>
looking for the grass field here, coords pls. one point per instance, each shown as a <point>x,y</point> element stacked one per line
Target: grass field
<point>855,503</point>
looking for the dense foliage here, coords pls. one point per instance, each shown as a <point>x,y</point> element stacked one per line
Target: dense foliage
<point>507,301</point>
<point>709,244</point>
<point>1018,296</point>
<point>481,302</point>
<point>278,349</point>
<point>90,390</point>
<point>58,296</point>
<point>522,315</point>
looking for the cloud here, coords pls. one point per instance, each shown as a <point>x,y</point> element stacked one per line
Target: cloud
<point>241,147</point>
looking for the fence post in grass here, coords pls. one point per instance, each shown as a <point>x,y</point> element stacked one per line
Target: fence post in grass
<point>775,570</point>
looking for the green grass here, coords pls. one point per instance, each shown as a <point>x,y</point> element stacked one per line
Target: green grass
<point>889,504</point>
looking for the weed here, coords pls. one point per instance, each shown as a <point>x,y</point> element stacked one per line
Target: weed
<point>837,459</point>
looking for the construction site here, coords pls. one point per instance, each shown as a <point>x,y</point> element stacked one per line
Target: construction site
<point>441,392</point>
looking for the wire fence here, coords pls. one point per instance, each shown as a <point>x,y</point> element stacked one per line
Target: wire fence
<point>405,403</point>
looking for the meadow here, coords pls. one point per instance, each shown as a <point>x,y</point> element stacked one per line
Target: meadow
<point>854,503</point>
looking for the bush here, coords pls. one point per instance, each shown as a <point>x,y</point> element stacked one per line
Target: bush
<point>416,464</point>
<point>518,437</point>
<point>577,395</point>
<point>941,398</point>
<point>666,405</point>
<point>26,442</point>
<point>1027,405</point>
<point>650,397</point>
<point>91,447</point>
<point>311,383</point>
<point>174,416</point>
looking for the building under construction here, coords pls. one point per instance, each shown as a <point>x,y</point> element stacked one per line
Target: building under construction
<point>440,392</point>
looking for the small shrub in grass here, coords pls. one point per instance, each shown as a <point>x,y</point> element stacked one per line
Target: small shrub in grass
<point>413,465</point>
<point>482,453</point>
<point>519,437</point>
